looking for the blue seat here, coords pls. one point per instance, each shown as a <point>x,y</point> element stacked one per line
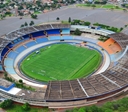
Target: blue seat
<point>1,69</point>
<point>67,37</point>
<point>30,44</point>
<point>8,62</point>
<point>54,38</point>
<point>20,49</point>
<point>37,34</point>
<point>65,31</point>
<point>4,51</point>
<point>12,55</point>
<point>41,40</point>
<point>10,70</point>
<point>18,42</point>
<point>53,31</point>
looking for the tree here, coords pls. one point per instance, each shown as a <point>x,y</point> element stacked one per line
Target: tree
<point>5,74</point>
<point>93,6</point>
<point>57,18</point>
<point>22,26</point>
<point>117,7</point>
<point>21,14</point>
<point>87,23</point>
<point>31,23</point>
<point>69,20</point>
<point>25,24</point>
<point>121,29</point>
<point>34,16</point>
<point>21,81</point>
<point>77,32</point>
<point>108,110</point>
<point>6,104</point>
<point>82,109</point>
<point>26,107</point>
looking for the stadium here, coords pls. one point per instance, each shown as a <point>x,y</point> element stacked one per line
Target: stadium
<point>73,70</point>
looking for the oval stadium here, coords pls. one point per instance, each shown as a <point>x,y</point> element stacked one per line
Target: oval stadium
<point>66,70</point>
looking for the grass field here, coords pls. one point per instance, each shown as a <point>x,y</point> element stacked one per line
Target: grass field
<point>61,62</point>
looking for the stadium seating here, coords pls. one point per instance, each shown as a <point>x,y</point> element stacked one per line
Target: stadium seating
<point>120,38</point>
<point>111,80</point>
<point>10,70</point>
<point>65,31</point>
<point>43,27</point>
<point>90,40</point>
<point>26,37</point>
<point>67,37</point>
<point>41,40</point>
<point>53,31</point>
<point>20,49</point>
<point>60,26</point>
<point>4,51</point>
<point>9,45</point>
<point>1,69</point>
<point>30,44</point>
<point>54,37</point>
<point>37,34</point>
<point>64,90</point>
<point>8,62</point>
<point>12,54</point>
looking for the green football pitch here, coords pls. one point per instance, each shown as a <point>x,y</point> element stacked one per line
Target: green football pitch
<point>61,62</point>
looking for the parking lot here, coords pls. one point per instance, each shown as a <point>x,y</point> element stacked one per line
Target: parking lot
<point>108,17</point>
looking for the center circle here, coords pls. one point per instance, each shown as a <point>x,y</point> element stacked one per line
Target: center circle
<point>65,61</point>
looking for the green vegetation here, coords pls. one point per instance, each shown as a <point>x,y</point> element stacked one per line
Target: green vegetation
<point>6,104</point>
<point>34,16</point>
<point>87,23</point>
<point>61,62</point>
<point>102,38</point>
<point>20,108</point>
<point>103,4</point>
<point>37,12</point>
<point>108,27</point>
<point>26,107</point>
<point>27,24</point>
<point>65,22</point>
<point>108,6</point>
<point>80,22</point>
<point>69,20</point>
<point>77,32</point>
<point>125,5</point>
<point>89,5</point>
<point>115,106</point>
<point>18,84</point>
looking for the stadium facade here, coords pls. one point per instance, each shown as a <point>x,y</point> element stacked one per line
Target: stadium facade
<point>101,85</point>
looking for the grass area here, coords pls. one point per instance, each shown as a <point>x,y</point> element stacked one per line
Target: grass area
<point>106,6</point>
<point>88,5</point>
<point>18,108</point>
<point>61,62</point>
<point>65,22</point>
<point>37,12</point>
